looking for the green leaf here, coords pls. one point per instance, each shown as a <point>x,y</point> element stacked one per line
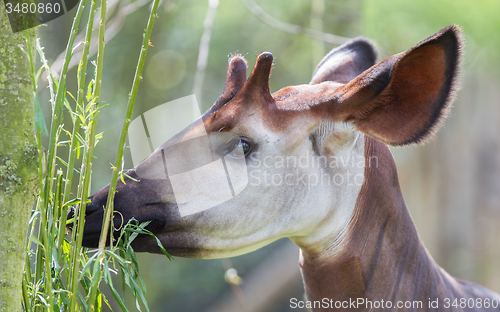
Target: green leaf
<point>87,265</point>
<point>117,297</point>
<point>33,217</point>
<point>163,248</point>
<point>122,261</point>
<point>106,301</point>
<point>64,298</point>
<point>121,178</point>
<point>37,75</point>
<point>99,302</point>
<point>75,201</point>
<point>39,120</point>
<point>34,239</point>
<point>71,95</point>
<point>84,305</point>
<point>135,180</point>
<point>81,140</point>
<point>66,250</point>
<point>90,91</point>
<point>139,291</point>
<point>66,103</point>
<point>85,282</point>
<point>66,164</point>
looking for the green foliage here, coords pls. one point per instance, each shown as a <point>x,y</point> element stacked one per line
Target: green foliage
<point>39,120</point>
<point>65,276</point>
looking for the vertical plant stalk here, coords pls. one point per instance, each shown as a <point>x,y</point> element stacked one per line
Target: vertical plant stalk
<point>44,204</point>
<point>290,28</point>
<point>126,122</point>
<point>109,205</point>
<point>90,154</point>
<point>41,171</point>
<point>100,53</point>
<point>56,113</point>
<point>82,71</point>
<point>88,167</point>
<point>59,268</point>
<point>201,64</point>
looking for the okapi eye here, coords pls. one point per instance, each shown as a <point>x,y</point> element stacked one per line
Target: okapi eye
<point>238,147</point>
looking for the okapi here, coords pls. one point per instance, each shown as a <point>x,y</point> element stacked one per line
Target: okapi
<point>359,247</point>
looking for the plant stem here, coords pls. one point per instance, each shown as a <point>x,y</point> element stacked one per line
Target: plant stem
<point>126,122</point>
<point>121,145</point>
<point>290,28</point>
<point>56,114</point>
<point>90,154</point>
<point>44,202</point>
<point>82,71</point>
<point>201,64</point>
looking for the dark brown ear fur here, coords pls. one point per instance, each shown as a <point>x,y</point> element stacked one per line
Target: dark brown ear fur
<point>403,99</point>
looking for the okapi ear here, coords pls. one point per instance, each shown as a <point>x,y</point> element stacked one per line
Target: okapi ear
<point>235,80</point>
<point>403,99</point>
<point>345,62</point>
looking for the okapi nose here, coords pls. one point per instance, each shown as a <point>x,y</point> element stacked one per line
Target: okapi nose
<point>92,206</point>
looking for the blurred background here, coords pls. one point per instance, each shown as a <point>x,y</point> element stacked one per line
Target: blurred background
<point>451,185</point>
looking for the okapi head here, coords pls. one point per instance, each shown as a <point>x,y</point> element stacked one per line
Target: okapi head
<point>349,106</point>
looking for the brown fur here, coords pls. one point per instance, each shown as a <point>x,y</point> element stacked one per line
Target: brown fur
<point>408,110</point>
<point>236,79</point>
<point>387,101</point>
<point>383,257</point>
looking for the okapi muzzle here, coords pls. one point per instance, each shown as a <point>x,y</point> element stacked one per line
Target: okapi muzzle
<point>162,188</point>
<point>235,180</point>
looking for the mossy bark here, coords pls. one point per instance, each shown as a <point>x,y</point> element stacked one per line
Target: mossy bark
<point>18,158</point>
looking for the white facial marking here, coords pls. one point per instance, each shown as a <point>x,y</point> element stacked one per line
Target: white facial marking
<point>303,186</point>
<point>343,152</point>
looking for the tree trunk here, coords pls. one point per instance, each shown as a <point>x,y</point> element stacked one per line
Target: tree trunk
<point>18,158</point>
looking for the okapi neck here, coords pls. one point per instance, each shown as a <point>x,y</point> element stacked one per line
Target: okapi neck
<point>382,257</point>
